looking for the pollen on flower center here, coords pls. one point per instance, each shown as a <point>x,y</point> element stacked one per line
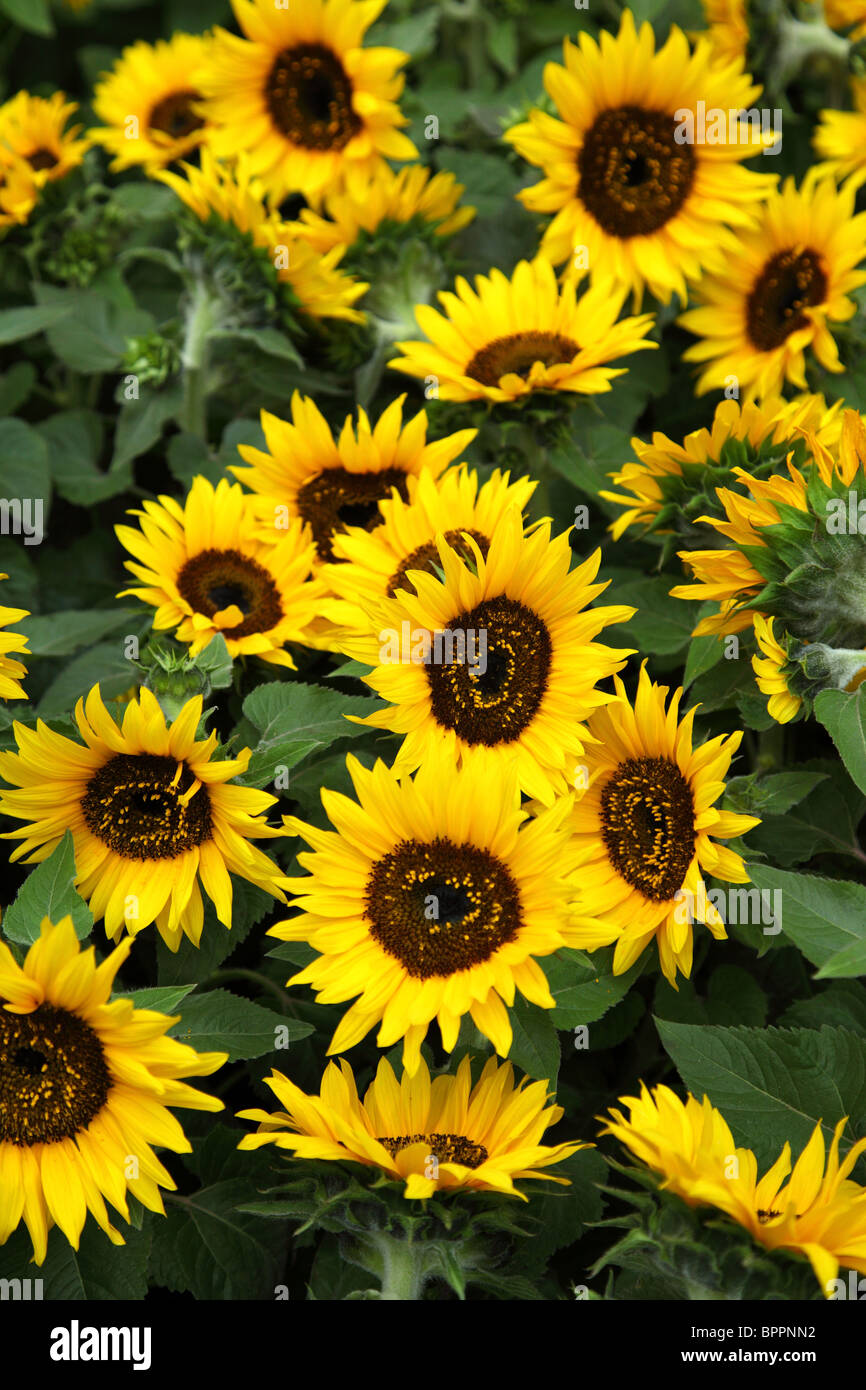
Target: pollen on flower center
<point>426,557</point>
<point>648,825</point>
<point>216,579</point>
<point>447,1148</point>
<point>144,807</point>
<point>53,1076</point>
<point>517,352</point>
<point>173,115</point>
<point>634,177</point>
<point>309,97</point>
<point>492,698</point>
<point>336,498</point>
<point>440,908</point>
<point>790,282</point>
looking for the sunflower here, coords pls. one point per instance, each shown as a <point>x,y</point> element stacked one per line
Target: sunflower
<point>12,670</point>
<point>814,1209</point>
<point>33,129</point>
<point>769,669</point>
<point>497,657</point>
<point>85,1082</point>
<point>791,277</point>
<point>332,483</point>
<point>371,565</point>
<point>205,572</point>
<point>508,338</point>
<point>149,811</point>
<point>430,1135</point>
<point>301,94</point>
<point>430,900</point>
<point>148,103</point>
<point>644,203</point>
<point>840,139</point>
<point>727,28</point>
<point>671,484</point>
<point>409,196</point>
<point>232,195</point>
<point>644,826</point>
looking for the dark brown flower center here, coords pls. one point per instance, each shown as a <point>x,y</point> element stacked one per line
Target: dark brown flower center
<point>53,1076</point>
<point>137,804</point>
<point>648,825</point>
<point>174,116</point>
<point>447,1148</point>
<point>491,683</point>
<point>309,96</point>
<point>439,908</point>
<point>42,159</point>
<point>336,498</point>
<point>789,282</point>
<point>634,176</point>
<point>517,353</point>
<point>426,557</point>
<point>216,579</point>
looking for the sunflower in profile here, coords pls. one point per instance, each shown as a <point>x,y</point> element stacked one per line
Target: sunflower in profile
<point>481,1137</point>
<point>411,196</point>
<point>303,96</point>
<point>85,1081</point>
<point>148,103</point>
<point>310,282</point>
<point>770,677</point>
<point>812,1209</point>
<point>430,899</point>
<point>34,129</point>
<point>671,486</point>
<point>495,656</point>
<point>372,565</point>
<point>205,571</point>
<point>11,669</point>
<point>334,483</point>
<point>508,338</point>
<point>646,829</point>
<point>150,811</point>
<point>645,204</point>
<point>840,139</point>
<point>790,280</point>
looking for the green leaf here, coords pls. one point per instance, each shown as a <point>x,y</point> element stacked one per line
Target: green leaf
<point>844,717</point>
<point>103,663</point>
<point>778,792</point>
<point>26,322</point>
<point>92,336</point>
<point>660,625</point>
<point>140,423</point>
<point>97,1272</point>
<point>584,986</point>
<point>773,1085</point>
<point>58,634</point>
<point>16,386</point>
<point>218,1021</point>
<point>187,455</point>
<point>841,1005</point>
<point>216,661</point>
<point>704,653</point>
<point>162,999</point>
<point>266,340</point>
<point>293,719</point>
<point>825,821</point>
<point>24,475</point>
<point>821,916</point>
<point>75,441</point>
<point>48,892</point>
<point>502,43</point>
<point>32,15</point>
<point>535,1045</point>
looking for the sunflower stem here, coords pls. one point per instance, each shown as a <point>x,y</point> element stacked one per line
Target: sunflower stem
<point>403,1274</point>
<point>201,319</point>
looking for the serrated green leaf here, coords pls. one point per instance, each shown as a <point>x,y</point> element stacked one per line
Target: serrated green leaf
<point>535,1043</point>
<point>844,717</point>
<point>48,892</point>
<point>822,916</point>
<point>218,1021</point>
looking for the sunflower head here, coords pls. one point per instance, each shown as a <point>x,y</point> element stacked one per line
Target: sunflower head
<point>791,278</point>
<point>85,1081</point>
<point>495,655</point>
<point>203,568</point>
<point>334,483</point>
<point>812,1209</point>
<point>150,811</point>
<point>430,899</point>
<point>508,338</point>
<point>303,94</point>
<point>436,1135</point>
<point>34,129</point>
<point>673,487</point>
<point>640,190</point>
<point>647,830</point>
<point>148,103</point>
